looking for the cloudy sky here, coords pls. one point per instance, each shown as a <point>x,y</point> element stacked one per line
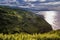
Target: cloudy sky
<point>19,2</point>
<point>39,0</point>
<point>36,0</point>
<point>27,0</point>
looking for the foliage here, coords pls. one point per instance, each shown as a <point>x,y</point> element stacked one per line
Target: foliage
<point>18,20</point>
<point>53,35</point>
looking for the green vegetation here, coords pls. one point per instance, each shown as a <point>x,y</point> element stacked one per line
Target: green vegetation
<point>18,20</point>
<point>18,24</point>
<point>53,35</point>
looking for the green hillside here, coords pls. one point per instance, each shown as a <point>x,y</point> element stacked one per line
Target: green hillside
<point>18,20</point>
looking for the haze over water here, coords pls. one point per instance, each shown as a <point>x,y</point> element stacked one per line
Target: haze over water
<point>52,17</point>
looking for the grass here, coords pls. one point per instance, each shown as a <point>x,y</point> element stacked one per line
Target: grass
<point>25,36</point>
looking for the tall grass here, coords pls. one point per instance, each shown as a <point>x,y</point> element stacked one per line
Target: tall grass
<point>25,36</point>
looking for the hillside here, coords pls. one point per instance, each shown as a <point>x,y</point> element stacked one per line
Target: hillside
<point>18,20</point>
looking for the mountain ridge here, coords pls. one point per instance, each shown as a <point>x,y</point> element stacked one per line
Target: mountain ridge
<point>17,21</point>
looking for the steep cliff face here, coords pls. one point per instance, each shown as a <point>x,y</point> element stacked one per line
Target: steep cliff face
<point>17,21</point>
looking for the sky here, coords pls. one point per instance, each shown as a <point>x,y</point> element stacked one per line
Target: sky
<point>42,0</point>
<point>34,0</point>
<point>19,2</point>
<point>28,0</point>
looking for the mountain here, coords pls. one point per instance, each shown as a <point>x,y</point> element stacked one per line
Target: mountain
<point>18,20</point>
